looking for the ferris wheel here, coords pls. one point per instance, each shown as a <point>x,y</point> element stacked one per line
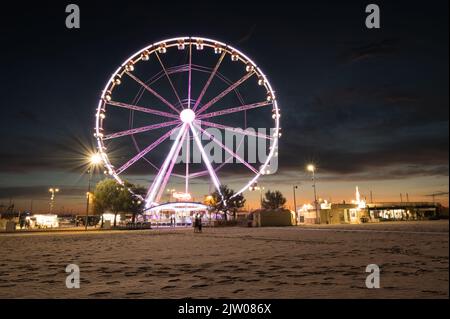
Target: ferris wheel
<point>181,88</point>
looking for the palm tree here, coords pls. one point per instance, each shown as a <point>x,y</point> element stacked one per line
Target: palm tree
<point>228,205</point>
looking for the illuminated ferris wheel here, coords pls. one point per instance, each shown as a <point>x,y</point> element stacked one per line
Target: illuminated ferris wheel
<point>178,91</point>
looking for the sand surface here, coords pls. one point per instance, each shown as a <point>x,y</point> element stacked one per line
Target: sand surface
<point>289,262</point>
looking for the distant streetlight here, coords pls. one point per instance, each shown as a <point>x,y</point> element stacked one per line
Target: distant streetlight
<point>52,191</point>
<point>255,187</point>
<point>311,168</point>
<point>295,201</point>
<point>94,160</point>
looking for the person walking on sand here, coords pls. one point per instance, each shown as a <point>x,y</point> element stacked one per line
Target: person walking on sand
<point>199,224</point>
<point>195,223</point>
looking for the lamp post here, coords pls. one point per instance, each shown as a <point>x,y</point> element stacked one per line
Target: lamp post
<point>295,203</point>
<point>52,191</point>
<point>312,169</point>
<point>94,160</point>
<point>256,187</point>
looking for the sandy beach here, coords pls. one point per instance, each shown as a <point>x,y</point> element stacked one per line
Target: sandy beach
<point>275,262</point>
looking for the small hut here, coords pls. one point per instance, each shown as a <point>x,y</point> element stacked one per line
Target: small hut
<point>272,217</point>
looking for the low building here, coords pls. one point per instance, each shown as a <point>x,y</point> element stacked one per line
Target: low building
<point>333,213</point>
<point>344,213</point>
<point>385,211</point>
<point>272,217</point>
<point>358,211</point>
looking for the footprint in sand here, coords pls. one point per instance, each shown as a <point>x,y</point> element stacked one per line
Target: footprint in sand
<point>251,280</point>
<point>161,272</point>
<point>225,281</point>
<point>100,293</point>
<point>173,280</point>
<point>168,287</point>
<point>130,274</point>
<point>199,286</point>
<point>296,275</point>
<point>134,293</point>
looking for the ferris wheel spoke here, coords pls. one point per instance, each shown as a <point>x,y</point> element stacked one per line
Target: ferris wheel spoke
<point>171,165</point>
<point>154,188</point>
<point>211,171</point>
<point>211,76</point>
<point>188,156</point>
<point>140,129</point>
<point>168,78</point>
<point>225,92</point>
<point>234,109</point>
<point>142,109</point>
<point>145,151</point>
<point>236,156</point>
<point>205,172</point>
<point>198,174</point>
<point>235,130</point>
<point>148,88</point>
<point>190,77</point>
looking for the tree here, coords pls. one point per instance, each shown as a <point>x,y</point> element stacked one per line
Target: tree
<point>110,195</point>
<point>273,200</point>
<point>228,205</point>
<point>137,204</point>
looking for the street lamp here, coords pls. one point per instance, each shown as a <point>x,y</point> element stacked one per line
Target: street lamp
<point>312,169</point>
<point>254,187</point>
<point>52,197</point>
<point>295,201</point>
<point>94,160</point>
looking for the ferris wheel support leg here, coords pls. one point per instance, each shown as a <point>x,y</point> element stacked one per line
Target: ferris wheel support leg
<point>240,159</point>
<point>169,171</point>
<point>211,171</point>
<point>188,157</point>
<point>152,192</point>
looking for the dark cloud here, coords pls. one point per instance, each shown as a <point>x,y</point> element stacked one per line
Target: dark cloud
<point>375,49</point>
<point>291,176</point>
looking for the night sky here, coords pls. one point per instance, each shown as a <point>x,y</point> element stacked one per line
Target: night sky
<point>369,107</point>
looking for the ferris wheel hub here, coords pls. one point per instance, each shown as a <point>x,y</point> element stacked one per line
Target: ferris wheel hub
<point>187,116</point>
